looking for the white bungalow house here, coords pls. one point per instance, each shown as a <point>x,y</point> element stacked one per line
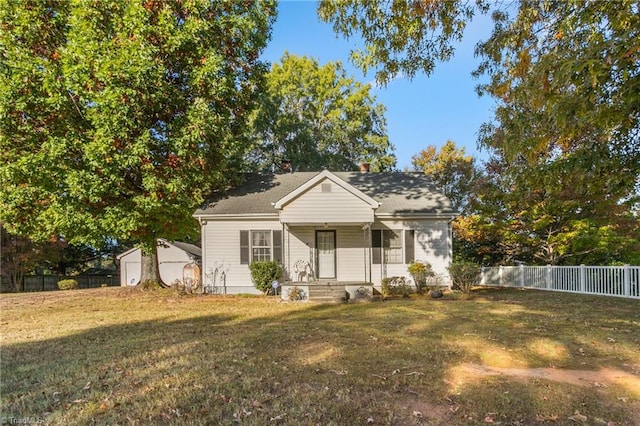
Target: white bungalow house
<point>349,229</point>
<point>173,256</point>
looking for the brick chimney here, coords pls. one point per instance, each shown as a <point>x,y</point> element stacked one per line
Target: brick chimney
<point>286,166</point>
<point>364,167</point>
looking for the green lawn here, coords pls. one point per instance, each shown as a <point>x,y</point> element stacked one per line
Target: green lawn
<point>119,356</point>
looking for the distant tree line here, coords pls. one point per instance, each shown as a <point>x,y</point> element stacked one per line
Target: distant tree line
<point>20,256</point>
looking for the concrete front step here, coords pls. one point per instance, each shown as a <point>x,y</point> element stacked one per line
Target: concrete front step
<point>327,293</point>
<point>327,299</point>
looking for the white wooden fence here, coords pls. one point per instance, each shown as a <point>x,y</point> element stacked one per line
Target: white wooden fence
<point>619,281</point>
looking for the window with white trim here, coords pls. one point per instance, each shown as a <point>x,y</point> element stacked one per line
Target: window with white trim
<point>392,246</point>
<point>260,245</point>
<point>389,246</point>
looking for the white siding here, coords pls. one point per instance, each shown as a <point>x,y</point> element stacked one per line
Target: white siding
<point>351,257</point>
<point>171,263</point>
<point>221,249</point>
<point>336,206</point>
<point>432,244</point>
<point>131,268</point>
<point>299,245</point>
<point>350,260</point>
<point>222,252</point>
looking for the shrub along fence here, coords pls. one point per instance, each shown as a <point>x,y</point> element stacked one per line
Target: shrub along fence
<point>619,281</point>
<point>50,282</point>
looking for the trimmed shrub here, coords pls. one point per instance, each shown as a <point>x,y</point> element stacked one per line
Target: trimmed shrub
<point>395,286</point>
<point>464,275</point>
<point>420,271</point>
<point>263,273</point>
<point>67,284</point>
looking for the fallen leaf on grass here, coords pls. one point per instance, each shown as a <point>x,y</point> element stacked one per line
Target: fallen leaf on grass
<point>87,386</point>
<point>541,418</point>
<point>276,418</point>
<point>414,373</point>
<point>340,372</point>
<point>578,418</point>
<point>418,414</point>
<point>370,420</point>
<point>488,419</point>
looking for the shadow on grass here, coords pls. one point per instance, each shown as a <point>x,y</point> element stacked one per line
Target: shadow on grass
<point>327,364</point>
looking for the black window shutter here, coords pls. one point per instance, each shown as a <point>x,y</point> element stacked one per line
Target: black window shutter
<point>376,243</point>
<point>277,246</point>
<point>409,246</point>
<point>244,247</point>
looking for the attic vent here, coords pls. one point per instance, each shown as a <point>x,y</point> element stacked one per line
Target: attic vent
<point>326,187</point>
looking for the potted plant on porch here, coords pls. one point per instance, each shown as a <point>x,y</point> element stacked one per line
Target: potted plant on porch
<point>424,277</point>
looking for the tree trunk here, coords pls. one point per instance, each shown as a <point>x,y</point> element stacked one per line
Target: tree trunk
<point>150,272</point>
<point>17,282</point>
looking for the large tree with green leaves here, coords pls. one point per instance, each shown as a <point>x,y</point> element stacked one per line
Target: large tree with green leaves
<point>116,118</point>
<point>564,181</point>
<point>451,169</point>
<point>317,117</point>
<point>566,75</point>
<point>401,37</point>
<point>566,131</point>
<point>557,215</point>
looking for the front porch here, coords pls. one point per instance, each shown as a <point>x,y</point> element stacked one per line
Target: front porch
<point>331,253</point>
<point>327,291</point>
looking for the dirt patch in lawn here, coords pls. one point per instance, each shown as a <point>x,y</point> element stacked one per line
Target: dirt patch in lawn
<point>469,373</point>
<point>601,378</point>
<point>416,411</point>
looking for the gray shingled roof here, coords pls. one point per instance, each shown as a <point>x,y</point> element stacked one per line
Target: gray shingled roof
<point>400,193</point>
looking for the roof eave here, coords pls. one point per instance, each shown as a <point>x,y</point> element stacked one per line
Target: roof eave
<point>236,216</point>
<point>418,215</point>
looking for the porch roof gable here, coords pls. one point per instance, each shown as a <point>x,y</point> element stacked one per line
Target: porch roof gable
<point>325,174</point>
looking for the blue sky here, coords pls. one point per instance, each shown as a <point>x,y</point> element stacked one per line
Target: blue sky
<point>420,112</point>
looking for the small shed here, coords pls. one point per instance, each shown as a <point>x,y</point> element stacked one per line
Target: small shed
<point>173,256</point>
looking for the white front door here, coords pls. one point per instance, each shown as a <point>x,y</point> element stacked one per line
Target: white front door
<point>326,245</point>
